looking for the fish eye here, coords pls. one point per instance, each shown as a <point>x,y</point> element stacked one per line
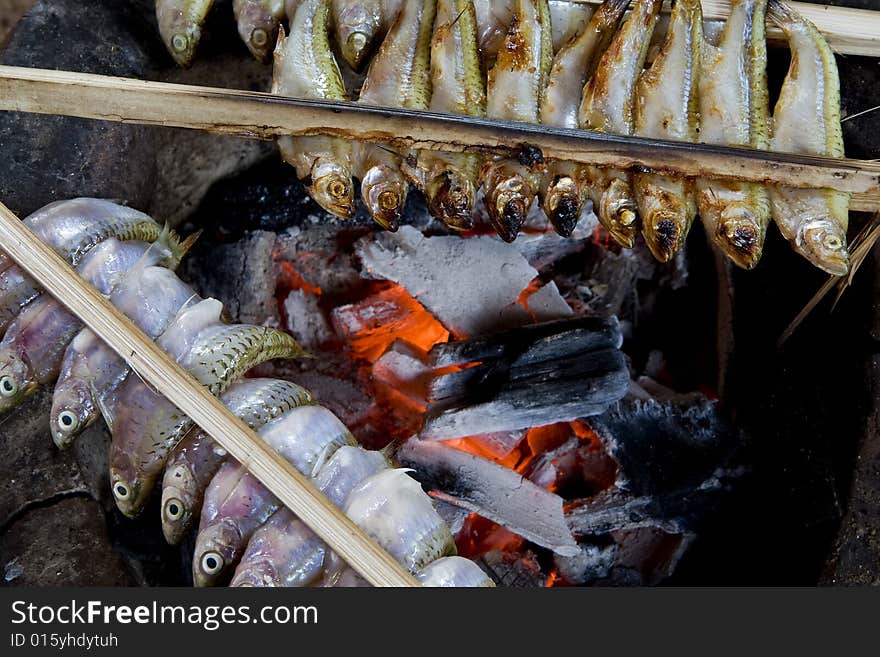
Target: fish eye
<point>67,421</point>
<point>212,562</point>
<point>832,242</point>
<point>338,189</point>
<point>388,200</point>
<point>121,491</point>
<point>173,509</point>
<point>8,386</point>
<point>259,37</point>
<point>179,42</point>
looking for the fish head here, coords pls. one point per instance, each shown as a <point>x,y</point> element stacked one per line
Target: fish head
<point>73,410</point>
<point>823,242</point>
<point>131,490</point>
<point>384,190</point>
<point>563,203</point>
<point>258,28</point>
<point>508,203</point>
<point>17,380</point>
<point>215,553</point>
<point>356,29</point>
<point>180,32</point>
<point>451,197</point>
<point>617,212</point>
<point>329,184</point>
<point>178,503</point>
<point>740,235</point>
<point>665,226</point>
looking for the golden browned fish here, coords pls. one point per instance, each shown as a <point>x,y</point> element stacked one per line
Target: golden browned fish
<point>807,120</point>
<point>607,106</point>
<point>564,190</point>
<point>734,111</point>
<point>668,107</point>
<point>180,25</point>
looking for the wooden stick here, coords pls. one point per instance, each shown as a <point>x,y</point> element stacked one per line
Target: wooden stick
<point>266,116</point>
<point>848,31</point>
<point>157,369</point>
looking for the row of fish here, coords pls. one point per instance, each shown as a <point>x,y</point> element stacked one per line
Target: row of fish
<point>436,55</point>
<point>244,533</point>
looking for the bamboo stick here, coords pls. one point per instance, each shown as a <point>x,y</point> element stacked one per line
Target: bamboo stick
<point>848,31</point>
<point>266,116</point>
<point>157,369</point>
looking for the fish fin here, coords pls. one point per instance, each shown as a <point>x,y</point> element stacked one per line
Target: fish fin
<point>278,56</point>
<point>171,249</point>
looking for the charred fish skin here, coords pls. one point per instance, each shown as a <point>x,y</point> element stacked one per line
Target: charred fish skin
<point>197,458</point>
<point>146,426</point>
<point>806,119</point>
<point>514,93</point>
<point>564,193</point>
<point>284,552</point>
<point>180,25</point>
<point>398,76</point>
<point>305,68</point>
<point>608,106</point>
<point>306,436</point>
<point>72,228</point>
<point>33,348</point>
<point>357,25</point>
<point>258,22</point>
<point>450,180</point>
<point>668,107</point>
<point>734,111</point>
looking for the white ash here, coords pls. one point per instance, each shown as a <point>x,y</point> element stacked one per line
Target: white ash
<point>592,562</point>
<point>405,370</point>
<point>471,285</point>
<point>316,254</point>
<point>306,321</point>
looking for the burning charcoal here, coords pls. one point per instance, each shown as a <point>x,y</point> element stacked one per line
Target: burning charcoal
<point>514,569</point>
<point>591,563</point>
<point>313,257</point>
<point>402,368</point>
<point>646,557</point>
<point>543,250</point>
<point>305,320</point>
<point>493,491</point>
<point>453,516</point>
<point>471,285</point>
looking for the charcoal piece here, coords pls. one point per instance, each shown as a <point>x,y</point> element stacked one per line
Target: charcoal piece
<point>591,563</point>
<point>549,397</point>
<point>495,492</point>
<point>512,569</point>
<point>664,448</point>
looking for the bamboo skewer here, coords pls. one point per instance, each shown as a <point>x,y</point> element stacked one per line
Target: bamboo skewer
<point>157,369</point>
<point>266,116</point>
<point>848,31</point>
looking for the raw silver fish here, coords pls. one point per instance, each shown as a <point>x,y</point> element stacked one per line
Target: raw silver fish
<point>734,112</point>
<point>236,503</point>
<point>258,22</point>
<point>454,572</point>
<point>398,76</point>
<point>807,120</point>
<point>197,458</point>
<point>72,228</point>
<point>91,371</point>
<point>668,107</point>
<point>305,68</point>
<point>450,180</point>
<point>33,348</point>
<point>514,92</point>
<point>607,106</point>
<point>180,25</point>
<point>565,189</point>
<point>146,426</point>
<point>283,552</point>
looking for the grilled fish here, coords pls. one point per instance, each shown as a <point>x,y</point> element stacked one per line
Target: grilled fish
<point>667,107</point>
<point>180,24</point>
<point>607,106</point>
<point>514,92</point>
<point>806,119</point>
<point>305,68</point>
<point>357,25</point>
<point>564,191</point>
<point>450,180</point>
<point>258,22</point>
<point>734,111</point>
<point>398,76</point>
<point>195,461</point>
